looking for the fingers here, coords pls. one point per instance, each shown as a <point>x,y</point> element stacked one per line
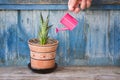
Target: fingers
<point>89,3</point>
<point>77,10</point>
<point>72,4</point>
<point>83,4</point>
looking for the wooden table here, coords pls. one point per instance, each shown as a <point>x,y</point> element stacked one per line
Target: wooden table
<point>62,73</point>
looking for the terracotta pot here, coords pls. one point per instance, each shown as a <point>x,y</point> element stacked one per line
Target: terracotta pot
<point>42,56</point>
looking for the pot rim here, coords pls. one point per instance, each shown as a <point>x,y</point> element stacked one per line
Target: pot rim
<point>35,44</point>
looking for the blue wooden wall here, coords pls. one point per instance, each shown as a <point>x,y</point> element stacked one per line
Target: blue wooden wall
<point>94,42</point>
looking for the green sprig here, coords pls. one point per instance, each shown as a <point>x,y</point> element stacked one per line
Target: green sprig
<point>43,30</point>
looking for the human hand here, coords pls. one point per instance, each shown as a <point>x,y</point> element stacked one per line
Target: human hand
<point>77,5</point>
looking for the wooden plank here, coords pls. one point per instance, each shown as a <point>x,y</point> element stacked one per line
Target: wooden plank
<point>62,73</point>
<point>97,38</point>
<point>96,2</point>
<point>2,37</point>
<point>63,49</point>
<point>54,2</point>
<point>53,7</point>
<point>33,1</point>
<point>33,7</point>
<point>77,41</point>
<point>115,24</point>
<point>10,37</point>
<point>25,31</point>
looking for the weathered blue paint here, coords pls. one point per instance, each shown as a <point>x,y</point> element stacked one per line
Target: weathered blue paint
<point>22,36</point>
<point>33,1</point>
<point>116,34</point>
<point>52,7</point>
<point>94,42</point>
<point>34,7</point>
<point>54,2</point>
<point>78,43</point>
<point>105,7</point>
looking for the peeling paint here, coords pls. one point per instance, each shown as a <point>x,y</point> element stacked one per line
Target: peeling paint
<point>94,42</point>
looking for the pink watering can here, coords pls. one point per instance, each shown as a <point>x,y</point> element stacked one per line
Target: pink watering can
<point>68,21</point>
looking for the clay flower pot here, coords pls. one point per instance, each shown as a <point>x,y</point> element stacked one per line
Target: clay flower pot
<point>42,56</point>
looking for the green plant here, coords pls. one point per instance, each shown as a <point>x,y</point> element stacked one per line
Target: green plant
<point>43,30</point>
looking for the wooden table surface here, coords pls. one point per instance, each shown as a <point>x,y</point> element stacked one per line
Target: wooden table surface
<point>61,73</point>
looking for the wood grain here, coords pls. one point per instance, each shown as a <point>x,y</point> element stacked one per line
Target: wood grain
<point>96,2</point>
<point>34,2</point>
<point>62,73</point>
<point>94,42</point>
<point>54,2</point>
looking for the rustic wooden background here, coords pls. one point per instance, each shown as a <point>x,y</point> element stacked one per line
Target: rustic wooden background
<point>94,42</point>
<point>54,1</point>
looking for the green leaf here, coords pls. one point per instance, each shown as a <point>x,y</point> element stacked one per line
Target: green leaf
<point>43,30</point>
<point>41,19</point>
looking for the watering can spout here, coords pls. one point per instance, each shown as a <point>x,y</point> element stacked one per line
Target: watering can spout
<point>61,29</point>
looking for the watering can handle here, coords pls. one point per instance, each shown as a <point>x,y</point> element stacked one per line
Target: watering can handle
<point>61,29</point>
